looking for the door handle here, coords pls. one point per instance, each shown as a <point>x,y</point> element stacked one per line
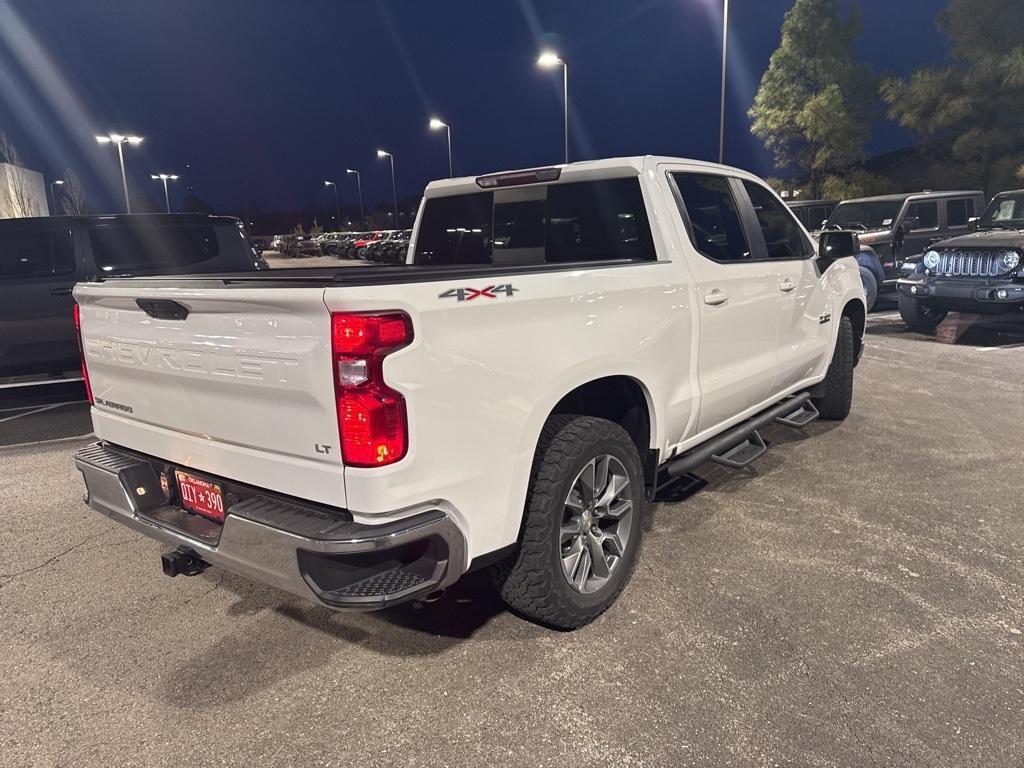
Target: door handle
<point>787,285</point>
<point>60,291</point>
<point>716,297</point>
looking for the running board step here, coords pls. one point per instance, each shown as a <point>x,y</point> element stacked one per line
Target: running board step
<point>742,454</point>
<point>801,417</point>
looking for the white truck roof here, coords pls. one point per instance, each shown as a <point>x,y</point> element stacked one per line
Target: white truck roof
<point>610,167</point>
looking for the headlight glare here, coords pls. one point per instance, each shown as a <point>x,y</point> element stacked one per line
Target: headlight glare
<point>1011,259</point>
<point>931,259</point>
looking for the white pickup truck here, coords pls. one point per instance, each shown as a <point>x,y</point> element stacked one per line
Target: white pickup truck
<point>561,343</point>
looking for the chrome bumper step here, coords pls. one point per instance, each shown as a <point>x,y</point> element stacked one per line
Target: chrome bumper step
<point>315,553</point>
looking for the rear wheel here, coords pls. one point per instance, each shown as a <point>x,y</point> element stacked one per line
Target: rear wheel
<point>870,282</point>
<point>581,527</point>
<point>918,315</point>
<point>837,388</point>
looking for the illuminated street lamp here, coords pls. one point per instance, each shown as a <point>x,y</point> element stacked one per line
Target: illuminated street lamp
<point>337,206</point>
<point>550,60</point>
<point>359,188</point>
<point>164,177</point>
<point>59,182</point>
<point>120,141</point>
<point>394,190</point>
<point>436,125</point>
<point>725,51</point>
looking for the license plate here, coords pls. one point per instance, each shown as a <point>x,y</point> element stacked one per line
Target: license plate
<point>200,496</point>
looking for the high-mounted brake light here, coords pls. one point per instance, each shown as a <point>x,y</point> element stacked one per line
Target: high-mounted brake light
<point>516,178</point>
<point>372,422</point>
<point>81,352</point>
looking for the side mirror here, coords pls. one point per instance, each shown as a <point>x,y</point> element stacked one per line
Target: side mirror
<point>823,223</point>
<point>911,223</point>
<point>972,223</point>
<point>835,244</point>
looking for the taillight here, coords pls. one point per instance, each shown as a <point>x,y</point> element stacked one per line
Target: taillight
<point>81,353</point>
<point>372,421</point>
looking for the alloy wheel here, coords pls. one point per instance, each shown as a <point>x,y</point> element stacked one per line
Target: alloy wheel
<point>596,525</point>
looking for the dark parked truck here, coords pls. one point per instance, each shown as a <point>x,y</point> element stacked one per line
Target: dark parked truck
<point>41,260</point>
<point>979,272</point>
<point>898,226</point>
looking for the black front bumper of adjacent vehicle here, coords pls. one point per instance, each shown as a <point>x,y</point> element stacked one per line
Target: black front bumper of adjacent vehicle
<point>316,552</point>
<point>981,296</point>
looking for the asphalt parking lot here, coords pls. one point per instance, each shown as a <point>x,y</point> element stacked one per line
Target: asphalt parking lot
<point>857,600</point>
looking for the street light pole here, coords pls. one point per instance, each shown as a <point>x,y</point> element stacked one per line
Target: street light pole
<point>549,59</point>
<point>164,177</point>
<point>53,195</point>
<point>337,206</point>
<point>394,188</point>
<point>436,125</point>
<point>359,188</point>
<point>120,141</point>
<point>725,57</point>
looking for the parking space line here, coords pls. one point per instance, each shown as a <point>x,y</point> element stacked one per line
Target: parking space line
<point>29,413</point>
<point>50,405</point>
<point>44,383</point>
<point>48,442</point>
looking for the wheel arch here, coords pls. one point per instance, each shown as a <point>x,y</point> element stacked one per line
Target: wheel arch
<point>623,400</point>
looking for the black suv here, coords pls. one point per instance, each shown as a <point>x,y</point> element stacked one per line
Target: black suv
<point>41,259</point>
<point>980,272</point>
<point>899,226</point>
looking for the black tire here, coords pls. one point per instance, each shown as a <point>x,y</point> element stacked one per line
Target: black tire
<point>837,388</point>
<point>918,316</point>
<point>867,277</point>
<point>531,580</point>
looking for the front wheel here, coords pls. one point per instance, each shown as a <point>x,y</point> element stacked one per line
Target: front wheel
<point>837,388</point>
<point>582,524</point>
<point>918,315</point>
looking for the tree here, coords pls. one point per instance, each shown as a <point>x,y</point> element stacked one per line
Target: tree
<point>316,229</point>
<point>299,230</point>
<point>971,109</point>
<point>21,201</point>
<point>855,183</point>
<point>73,194</point>
<point>814,106</point>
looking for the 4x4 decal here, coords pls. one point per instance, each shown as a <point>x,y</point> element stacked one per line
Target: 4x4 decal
<point>468,294</point>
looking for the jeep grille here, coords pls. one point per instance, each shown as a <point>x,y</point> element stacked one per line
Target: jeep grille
<point>970,263</point>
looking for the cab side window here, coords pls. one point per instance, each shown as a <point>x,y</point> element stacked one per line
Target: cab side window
<point>715,226</point>
<point>958,212</point>
<point>782,235</point>
<point>25,254</point>
<point>926,213</point>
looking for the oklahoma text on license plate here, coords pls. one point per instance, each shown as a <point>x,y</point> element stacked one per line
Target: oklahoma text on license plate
<point>200,496</point>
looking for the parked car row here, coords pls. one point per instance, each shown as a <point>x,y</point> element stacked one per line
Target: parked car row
<point>392,248</point>
<point>385,246</point>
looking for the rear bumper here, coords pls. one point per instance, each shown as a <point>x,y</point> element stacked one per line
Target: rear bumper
<point>311,551</point>
<point>964,295</point>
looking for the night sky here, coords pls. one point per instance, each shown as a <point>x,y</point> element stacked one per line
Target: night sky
<point>264,100</point>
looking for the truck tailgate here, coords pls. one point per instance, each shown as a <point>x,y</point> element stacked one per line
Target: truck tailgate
<point>235,382</point>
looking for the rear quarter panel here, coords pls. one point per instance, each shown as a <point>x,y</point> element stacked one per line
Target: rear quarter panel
<point>482,376</point>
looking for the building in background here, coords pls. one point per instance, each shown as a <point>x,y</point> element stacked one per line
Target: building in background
<point>22,193</point>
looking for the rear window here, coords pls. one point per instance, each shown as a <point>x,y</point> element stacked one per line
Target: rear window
<point>170,250</point>
<point>560,223</point>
